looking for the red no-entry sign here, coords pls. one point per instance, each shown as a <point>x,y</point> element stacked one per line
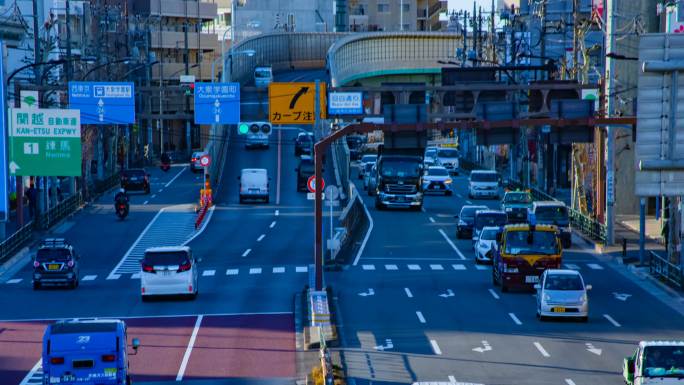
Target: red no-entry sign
<point>205,160</point>
<point>311,183</point>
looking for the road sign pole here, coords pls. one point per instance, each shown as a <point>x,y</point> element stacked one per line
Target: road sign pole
<point>318,205</point>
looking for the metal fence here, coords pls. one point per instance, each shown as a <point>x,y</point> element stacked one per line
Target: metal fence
<point>665,270</point>
<point>15,241</point>
<point>60,211</point>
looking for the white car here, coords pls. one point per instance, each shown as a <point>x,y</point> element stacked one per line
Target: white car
<point>365,160</point>
<point>483,184</point>
<point>168,270</point>
<point>196,161</point>
<point>562,293</point>
<point>437,179</point>
<point>448,157</point>
<point>486,242</point>
<point>254,184</point>
<point>256,140</point>
<point>430,156</point>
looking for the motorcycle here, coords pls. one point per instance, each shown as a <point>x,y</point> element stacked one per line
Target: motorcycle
<point>165,166</point>
<point>121,209</point>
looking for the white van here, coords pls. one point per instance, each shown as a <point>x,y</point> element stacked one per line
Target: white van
<point>254,184</point>
<point>167,271</point>
<point>263,76</point>
<point>484,184</point>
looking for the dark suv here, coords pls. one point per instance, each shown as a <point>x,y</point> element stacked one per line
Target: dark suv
<point>305,170</point>
<point>304,144</point>
<point>55,263</point>
<point>135,179</point>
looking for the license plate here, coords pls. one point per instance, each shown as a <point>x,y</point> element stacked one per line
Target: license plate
<point>531,279</point>
<point>436,187</point>
<point>165,273</point>
<point>53,266</point>
<point>254,190</point>
<point>558,309</point>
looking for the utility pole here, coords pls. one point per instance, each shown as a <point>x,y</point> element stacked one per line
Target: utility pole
<point>68,47</point>
<point>610,101</point>
<point>465,38</point>
<point>476,33</point>
<point>187,72</point>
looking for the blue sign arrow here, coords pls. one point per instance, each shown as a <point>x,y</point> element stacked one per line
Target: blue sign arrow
<point>103,102</point>
<point>217,103</point>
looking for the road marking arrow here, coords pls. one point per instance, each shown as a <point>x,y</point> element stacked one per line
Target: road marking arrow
<point>388,345</point>
<point>14,167</point>
<point>592,349</point>
<point>621,296</point>
<point>485,347</point>
<point>370,292</point>
<point>448,294</point>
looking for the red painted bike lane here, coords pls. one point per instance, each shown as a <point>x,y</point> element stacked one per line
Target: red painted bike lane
<point>21,344</point>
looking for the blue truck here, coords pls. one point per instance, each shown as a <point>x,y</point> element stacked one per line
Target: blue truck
<point>86,352</point>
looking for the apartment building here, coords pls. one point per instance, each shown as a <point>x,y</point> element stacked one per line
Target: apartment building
<point>393,15</point>
<point>256,17</point>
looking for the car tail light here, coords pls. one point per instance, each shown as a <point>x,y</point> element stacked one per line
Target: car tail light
<point>148,268</point>
<point>36,264</point>
<point>194,159</point>
<point>108,358</point>
<point>142,290</point>
<point>190,288</point>
<point>70,263</point>
<point>184,267</point>
<point>57,360</point>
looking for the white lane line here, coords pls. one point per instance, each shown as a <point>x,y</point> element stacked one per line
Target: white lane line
<point>414,267</point>
<point>572,266</point>
<point>493,293</point>
<point>469,202</point>
<point>208,273</point>
<point>261,237</point>
<point>301,269</point>
<point>255,270</point>
<point>368,267</point>
<point>420,317</point>
<point>459,195</point>
<point>422,209</point>
<point>145,202</point>
<point>391,267</point>
<point>515,318</point>
<point>232,271</point>
<point>174,178</point>
<point>481,267</point>
<point>541,349</point>
<point>272,225</point>
<point>435,347</point>
<point>15,280</point>
<point>246,253</point>
<point>277,212</point>
<point>188,350</point>
<point>408,292</point>
<point>135,276</point>
<point>160,190</point>
<point>432,219</point>
<point>611,320</point>
<point>153,196</point>
<point>89,278</point>
<point>452,379</point>
<point>458,267</point>
<point>38,366</point>
<point>595,266</point>
<point>437,267</point>
<point>368,233</point>
<point>278,270</point>
<point>280,163</point>
<point>113,276</point>
<point>569,381</point>
<point>453,246</point>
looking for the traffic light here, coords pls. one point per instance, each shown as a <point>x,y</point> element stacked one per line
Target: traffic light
<point>189,88</point>
<point>245,128</point>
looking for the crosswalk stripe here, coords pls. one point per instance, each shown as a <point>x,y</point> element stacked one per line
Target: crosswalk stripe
<point>278,270</point>
<point>113,276</point>
<point>391,267</point>
<point>414,267</point>
<point>481,267</point>
<point>458,267</point>
<point>255,270</point>
<point>89,278</point>
<point>436,267</point>
<point>15,280</point>
<point>368,267</point>
<point>135,276</point>
<point>302,269</point>
<point>595,266</point>
<point>232,271</point>
<point>572,266</point>
<point>208,273</point>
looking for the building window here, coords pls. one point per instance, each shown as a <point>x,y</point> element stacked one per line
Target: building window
<point>407,8</point>
<point>383,8</point>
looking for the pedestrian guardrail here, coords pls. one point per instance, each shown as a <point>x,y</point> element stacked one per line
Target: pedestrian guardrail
<point>665,270</point>
<point>59,212</point>
<point>15,241</point>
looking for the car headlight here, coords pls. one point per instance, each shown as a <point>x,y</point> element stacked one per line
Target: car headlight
<point>508,209</point>
<point>448,181</point>
<point>547,298</point>
<point>508,269</point>
<point>462,223</point>
<point>583,298</point>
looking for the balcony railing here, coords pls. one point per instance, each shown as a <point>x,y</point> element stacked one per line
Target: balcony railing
<point>172,71</point>
<point>176,40</point>
<point>177,8</point>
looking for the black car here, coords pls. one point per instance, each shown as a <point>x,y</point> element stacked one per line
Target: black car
<point>305,170</point>
<point>466,220</point>
<point>304,144</point>
<point>55,263</point>
<point>355,144</point>
<point>135,179</point>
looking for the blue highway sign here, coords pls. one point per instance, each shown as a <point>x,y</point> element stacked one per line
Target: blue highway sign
<point>217,103</point>
<point>103,102</point>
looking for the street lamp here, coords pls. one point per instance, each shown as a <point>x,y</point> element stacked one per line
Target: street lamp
<point>124,76</point>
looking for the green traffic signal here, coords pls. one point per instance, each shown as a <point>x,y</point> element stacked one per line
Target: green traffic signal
<point>243,129</point>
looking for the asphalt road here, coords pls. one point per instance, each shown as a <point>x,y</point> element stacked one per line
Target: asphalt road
<point>255,257</point>
<point>434,315</point>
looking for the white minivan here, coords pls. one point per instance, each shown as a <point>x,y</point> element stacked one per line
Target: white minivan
<point>254,184</point>
<point>483,184</point>
<point>263,76</point>
<point>170,270</point>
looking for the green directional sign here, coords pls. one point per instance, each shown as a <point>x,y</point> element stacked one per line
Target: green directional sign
<point>44,142</point>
